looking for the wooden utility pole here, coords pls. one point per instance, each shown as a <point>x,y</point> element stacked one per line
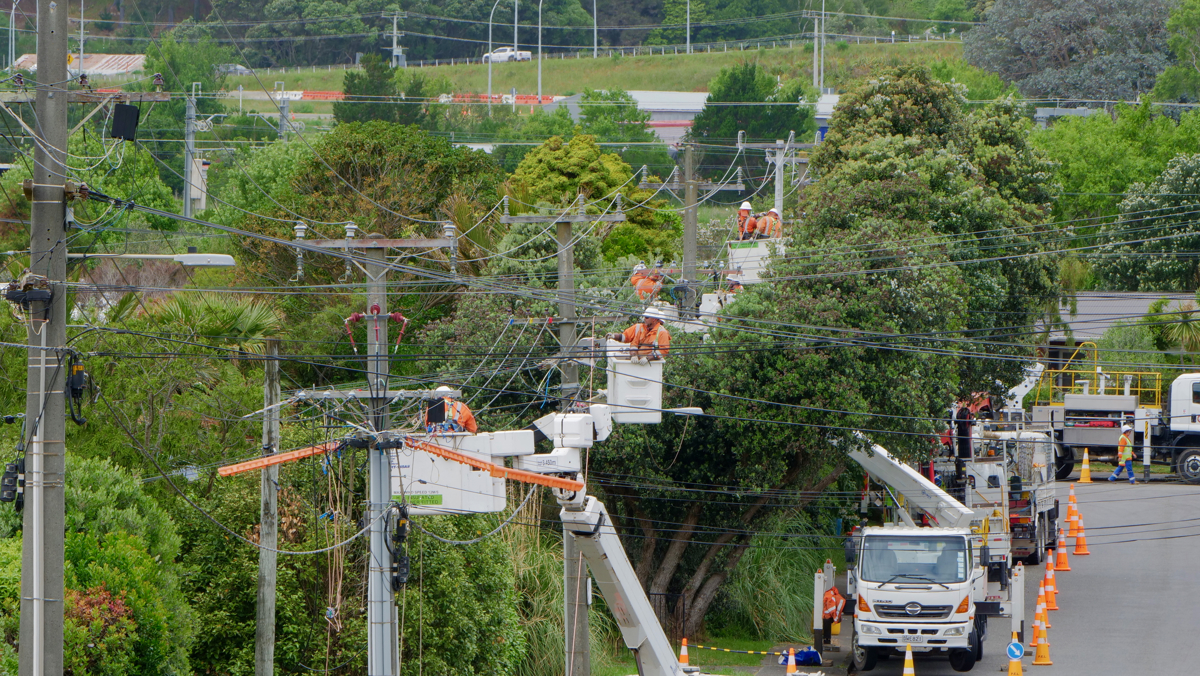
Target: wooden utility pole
<point>268,530</point>
<point>41,628</point>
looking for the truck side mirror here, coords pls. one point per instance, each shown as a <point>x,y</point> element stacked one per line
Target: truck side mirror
<point>851,551</point>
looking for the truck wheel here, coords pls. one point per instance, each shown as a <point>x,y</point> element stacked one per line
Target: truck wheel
<point>1188,465</point>
<point>864,656</point>
<point>1064,464</point>
<point>963,659</point>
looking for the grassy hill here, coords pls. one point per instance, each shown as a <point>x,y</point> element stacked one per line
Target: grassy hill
<point>673,73</point>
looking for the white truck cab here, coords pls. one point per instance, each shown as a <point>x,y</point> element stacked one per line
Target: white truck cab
<point>918,587</point>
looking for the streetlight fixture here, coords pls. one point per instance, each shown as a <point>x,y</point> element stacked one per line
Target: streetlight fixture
<point>540,52</point>
<point>198,260</point>
<point>492,16</point>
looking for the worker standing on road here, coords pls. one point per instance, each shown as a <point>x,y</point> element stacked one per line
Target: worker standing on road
<point>648,340</point>
<point>1124,454</point>
<point>747,225</point>
<point>455,416</point>
<point>770,226</point>
<point>832,612</point>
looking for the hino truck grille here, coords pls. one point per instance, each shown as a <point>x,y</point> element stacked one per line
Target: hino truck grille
<point>912,611</point>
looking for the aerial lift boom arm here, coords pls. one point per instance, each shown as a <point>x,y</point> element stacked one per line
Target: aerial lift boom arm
<point>921,492</point>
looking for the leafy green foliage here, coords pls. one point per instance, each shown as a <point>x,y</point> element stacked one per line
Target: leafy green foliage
<point>902,148</point>
<point>374,94</point>
<point>1181,80</point>
<point>1148,247</point>
<point>126,612</point>
<point>612,116</point>
<point>1099,156</point>
<point>981,85</point>
<point>1077,49</point>
<point>558,171</point>
<point>749,83</point>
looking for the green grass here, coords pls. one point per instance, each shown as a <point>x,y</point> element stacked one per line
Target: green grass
<point>1101,470</point>
<point>711,661</point>
<point>669,73</point>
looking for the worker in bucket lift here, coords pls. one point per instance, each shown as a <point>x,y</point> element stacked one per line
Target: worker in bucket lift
<point>649,286</point>
<point>770,226</point>
<point>448,415</point>
<point>647,340</point>
<point>639,273</point>
<point>747,225</point>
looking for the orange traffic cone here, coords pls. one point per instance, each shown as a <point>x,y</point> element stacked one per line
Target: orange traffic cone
<point>909,670</point>
<point>1042,657</point>
<point>791,662</point>
<point>1081,541</point>
<point>1033,631</point>
<point>1061,563</point>
<point>1051,592</point>
<point>1040,613</point>
<point>1071,496</point>
<point>1014,663</point>
<point>683,656</point>
<point>1072,520</point>
<point>1085,474</point>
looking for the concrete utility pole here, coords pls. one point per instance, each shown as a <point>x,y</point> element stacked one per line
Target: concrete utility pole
<point>398,59</point>
<point>689,213</point>
<point>189,154</point>
<point>283,117</point>
<point>41,630</point>
<point>383,655</point>
<point>575,609</point>
<point>816,54</point>
<point>566,305</point>
<point>691,188</point>
<point>268,530</point>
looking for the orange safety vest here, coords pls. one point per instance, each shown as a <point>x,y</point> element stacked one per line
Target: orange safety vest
<point>660,340</point>
<point>770,226</point>
<point>647,288</point>
<point>834,602</point>
<point>1124,449</point>
<point>746,224</point>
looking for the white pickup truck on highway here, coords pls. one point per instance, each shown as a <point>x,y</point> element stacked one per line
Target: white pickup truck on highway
<point>505,54</point>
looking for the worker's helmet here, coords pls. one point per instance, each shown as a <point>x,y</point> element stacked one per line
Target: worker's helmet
<point>444,389</point>
<point>745,207</point>
<point>639,267</point>
<point>1126,428</point>
<point>775,211</point>
<point>656,313</point>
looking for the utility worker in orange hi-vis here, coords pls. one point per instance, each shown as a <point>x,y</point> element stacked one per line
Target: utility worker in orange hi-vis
<point>747,225</point>
<point>832,612</point>
<point>648,340</point>
<point>649,286</point>
<point>770,225</point>
<point>639,273</point>
<point>449,415</point>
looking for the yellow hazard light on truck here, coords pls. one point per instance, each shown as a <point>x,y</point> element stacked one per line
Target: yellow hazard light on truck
<point>962,607</point>
<point>862,604</point>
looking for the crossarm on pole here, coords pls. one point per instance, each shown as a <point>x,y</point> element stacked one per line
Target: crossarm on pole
<point>495,470</point>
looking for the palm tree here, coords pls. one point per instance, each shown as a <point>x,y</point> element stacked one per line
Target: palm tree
<point>1186,330</point>
<point>231,320</point>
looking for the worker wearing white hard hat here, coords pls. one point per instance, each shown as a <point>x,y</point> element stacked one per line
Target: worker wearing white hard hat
<point>1124,454</point>
<point>747,224</point>
<point>647,340</point>
<point>770,225</point>
<point>449,415</point>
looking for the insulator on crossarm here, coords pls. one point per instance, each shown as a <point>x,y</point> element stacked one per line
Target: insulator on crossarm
<point>505,201</point>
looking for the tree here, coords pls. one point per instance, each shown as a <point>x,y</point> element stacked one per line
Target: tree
<point>1149,247</point>
<point>125,611</point>
<point>1181,80</point>
<point>1073,49</point>
<point>676,14</point>
<point>748,82</point>
<point>371,94</point>
<point>1099,156</point>
<point>901,148</point>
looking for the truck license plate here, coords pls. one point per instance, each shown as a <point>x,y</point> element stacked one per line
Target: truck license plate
<point>913,639</point>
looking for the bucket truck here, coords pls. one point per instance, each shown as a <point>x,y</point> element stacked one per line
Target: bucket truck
<point>930,587</point>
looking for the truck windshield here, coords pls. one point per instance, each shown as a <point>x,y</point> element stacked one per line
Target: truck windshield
<point>918,559</point>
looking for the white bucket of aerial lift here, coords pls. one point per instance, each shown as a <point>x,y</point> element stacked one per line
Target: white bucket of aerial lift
<point>634,390</point>
<point>750,257</point>
<point>434,485</point>
<point>568,432</point>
